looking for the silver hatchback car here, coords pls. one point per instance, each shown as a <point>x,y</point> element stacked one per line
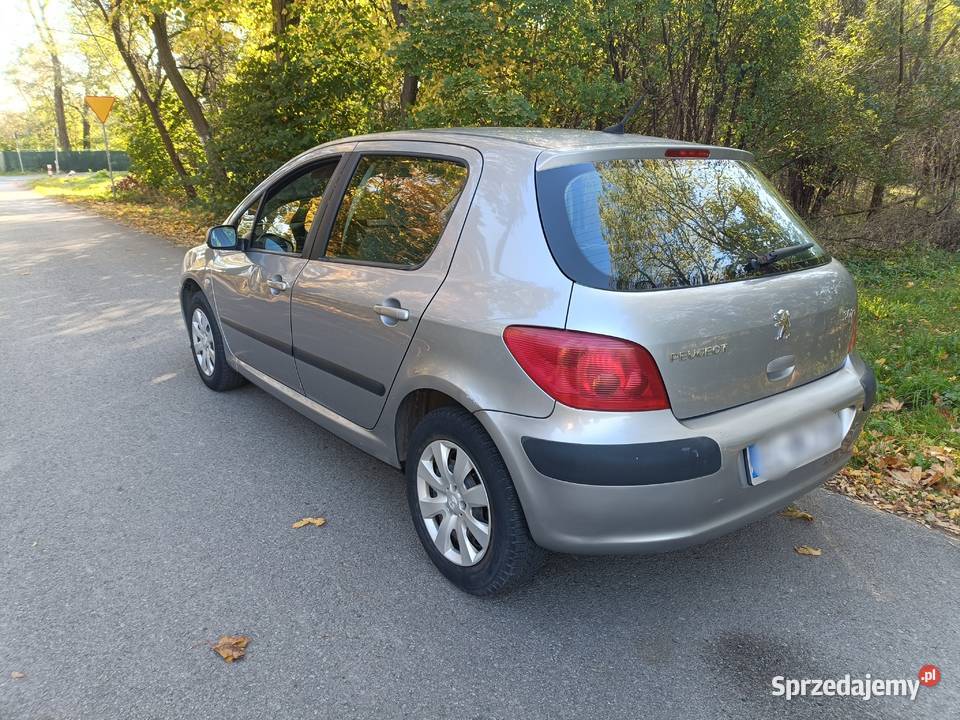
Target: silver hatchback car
<point>568,340</point>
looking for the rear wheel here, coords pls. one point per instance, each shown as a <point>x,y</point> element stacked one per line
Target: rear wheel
<point>206,344</point>
<point>464,505</point>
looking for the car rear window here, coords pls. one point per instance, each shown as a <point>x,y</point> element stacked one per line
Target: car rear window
<point>644,224</point>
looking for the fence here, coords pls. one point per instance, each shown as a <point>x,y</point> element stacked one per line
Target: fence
<point>79,160</point>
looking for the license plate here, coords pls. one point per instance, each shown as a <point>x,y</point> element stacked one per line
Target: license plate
<point>778,454</point>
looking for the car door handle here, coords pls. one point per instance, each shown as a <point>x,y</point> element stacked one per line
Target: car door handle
<point>394,313</point>
<point>278,283</point>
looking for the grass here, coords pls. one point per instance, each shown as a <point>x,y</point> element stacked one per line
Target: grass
<point>909,331</point>
<point>907,458</point>
<point>83,186</point>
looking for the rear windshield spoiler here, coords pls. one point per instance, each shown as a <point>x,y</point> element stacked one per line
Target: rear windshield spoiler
<point>549,159</point>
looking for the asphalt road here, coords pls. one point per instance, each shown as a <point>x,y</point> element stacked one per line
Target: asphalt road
<point>142,515</point>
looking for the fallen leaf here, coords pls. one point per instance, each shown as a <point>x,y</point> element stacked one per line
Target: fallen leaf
<point>17,675</point>
<point>937,473</point>
<point>317,521</point>
<point>231,647</point>
<point>949,468</point>
<point>796,514</point>
<point>807,550</point>
<point>887,461</point>
<point>891,405</point>
<point>902,477</point>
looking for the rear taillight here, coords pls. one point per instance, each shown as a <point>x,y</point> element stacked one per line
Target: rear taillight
<point>853,332</point>
<point>586,371</point>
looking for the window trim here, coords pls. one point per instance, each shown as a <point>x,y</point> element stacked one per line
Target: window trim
<point>293,175</point>
<point>348,168</point>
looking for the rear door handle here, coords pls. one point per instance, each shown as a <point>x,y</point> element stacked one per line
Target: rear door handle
<point>394,313</point>
<point>278,283</point>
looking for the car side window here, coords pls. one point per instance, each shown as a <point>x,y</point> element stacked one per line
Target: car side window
<point>395,209</point>
<point>289,210</point>
<point>247,219</point>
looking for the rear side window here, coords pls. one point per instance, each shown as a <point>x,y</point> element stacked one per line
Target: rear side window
<point>665,223</point>
<point>395,209</point>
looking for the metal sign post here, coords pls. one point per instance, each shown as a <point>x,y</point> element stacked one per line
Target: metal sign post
<point>106,145</point>
<point>19,157</point>
<point>101,106</point>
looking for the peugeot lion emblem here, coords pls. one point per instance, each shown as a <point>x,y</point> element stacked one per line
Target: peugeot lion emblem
<point>782,322</point>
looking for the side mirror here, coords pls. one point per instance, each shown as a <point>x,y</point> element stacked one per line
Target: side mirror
<point>223,237</point>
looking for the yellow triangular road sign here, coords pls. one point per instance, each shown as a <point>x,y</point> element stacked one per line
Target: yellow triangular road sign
<point>101,105</point>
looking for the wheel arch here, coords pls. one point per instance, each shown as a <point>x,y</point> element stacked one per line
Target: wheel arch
<point>414,406</point>
<point>188,288</point>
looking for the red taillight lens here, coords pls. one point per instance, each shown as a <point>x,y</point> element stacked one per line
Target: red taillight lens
<point>687,153</point>
<point>586,371</point>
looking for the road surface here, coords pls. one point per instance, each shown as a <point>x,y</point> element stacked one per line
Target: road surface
<point>142,516</point>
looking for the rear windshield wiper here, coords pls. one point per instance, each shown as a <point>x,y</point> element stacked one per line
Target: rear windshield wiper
<point>775,256</point>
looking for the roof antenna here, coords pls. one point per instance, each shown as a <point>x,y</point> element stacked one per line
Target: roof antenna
<point>621,126</point>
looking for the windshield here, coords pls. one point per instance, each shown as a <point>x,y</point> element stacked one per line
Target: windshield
<point>664,223</point>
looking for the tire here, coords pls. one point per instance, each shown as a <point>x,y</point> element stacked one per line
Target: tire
<point>510,557</point>
<point>212,363</point>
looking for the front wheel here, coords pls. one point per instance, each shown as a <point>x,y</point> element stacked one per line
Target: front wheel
<point>464,505</point>
<point>207,348</point>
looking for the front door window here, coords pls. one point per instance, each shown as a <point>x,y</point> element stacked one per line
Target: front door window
<point>289,211</point>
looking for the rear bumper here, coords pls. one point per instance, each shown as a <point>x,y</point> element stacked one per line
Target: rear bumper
<point>596,482</point>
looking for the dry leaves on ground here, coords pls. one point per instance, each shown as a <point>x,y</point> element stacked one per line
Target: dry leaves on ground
<point>890,405</point>
<point>315,521</point>
<point>17,675</point>
<point>183,226</point>
<point>807,550</point>
<point>231,647</point>
<point>923,485</point>
<point>795,513</point>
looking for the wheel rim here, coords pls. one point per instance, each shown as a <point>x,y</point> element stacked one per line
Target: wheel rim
<point>453,503</point>
<point>203,347</point>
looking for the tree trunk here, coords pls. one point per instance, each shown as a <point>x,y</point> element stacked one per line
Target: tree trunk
<point>58,105</point>
<point>59,109</point>
<point>113,19</point>
<point>409,90</point>
<point>411,82</point>
<point>85,121</point>
<point>284,17</point>
<point>876,199</point>
<point>190,103</point>
<point>800,193</point>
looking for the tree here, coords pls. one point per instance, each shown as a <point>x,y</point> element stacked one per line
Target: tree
<point>38,11</point>
<point>111,12</point>
<point>158,27</point>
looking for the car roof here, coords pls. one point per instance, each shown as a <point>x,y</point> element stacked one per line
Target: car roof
<point>543,138</point>
<point>552,145</point>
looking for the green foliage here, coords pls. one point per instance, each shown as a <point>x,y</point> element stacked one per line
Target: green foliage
<point>148,158</point>
<point>484,63</point>
<point>329,81</point>
<point>851,104</point>
<point>909,306</point>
